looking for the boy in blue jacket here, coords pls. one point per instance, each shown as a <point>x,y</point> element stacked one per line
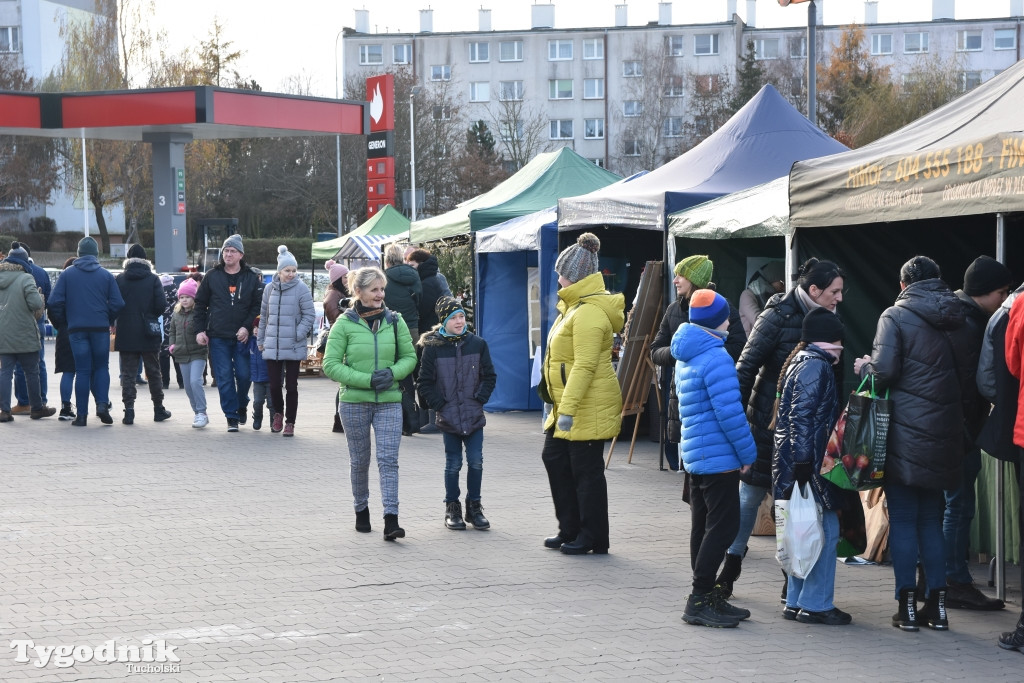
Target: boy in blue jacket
<point>715,447</point>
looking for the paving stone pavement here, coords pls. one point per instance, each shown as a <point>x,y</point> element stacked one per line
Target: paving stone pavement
<point>238,550</point>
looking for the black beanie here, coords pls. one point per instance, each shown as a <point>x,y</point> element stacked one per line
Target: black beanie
<point>136,251</point>
<point>986,275</point>
<point>821,325</point>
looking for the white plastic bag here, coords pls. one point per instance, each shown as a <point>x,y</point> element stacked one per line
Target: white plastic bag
<point>798,532</point>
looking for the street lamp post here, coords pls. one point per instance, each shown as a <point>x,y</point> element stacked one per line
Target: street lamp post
<point>412,152</point>
<point>337,138</point>
<point>812,57</point>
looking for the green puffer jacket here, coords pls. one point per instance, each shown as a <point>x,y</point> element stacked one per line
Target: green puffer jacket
<point>354,351</point>
<point>578,363</point>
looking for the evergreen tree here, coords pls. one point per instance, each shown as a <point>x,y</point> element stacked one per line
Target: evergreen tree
<point>750,78</point>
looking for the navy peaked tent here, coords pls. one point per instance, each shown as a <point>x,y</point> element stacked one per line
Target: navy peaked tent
<point>759,143</point>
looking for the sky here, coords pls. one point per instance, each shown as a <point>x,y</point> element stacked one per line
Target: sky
<point>300,41</point>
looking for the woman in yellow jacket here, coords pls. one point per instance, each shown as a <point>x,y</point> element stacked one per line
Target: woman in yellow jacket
<point>586,400</point>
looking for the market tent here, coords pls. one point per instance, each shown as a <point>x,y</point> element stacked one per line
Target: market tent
<point>538,185</point>
<point>964,158</point>
<point>760,142</point>
<point>388,222</point>
<point>759,211</point>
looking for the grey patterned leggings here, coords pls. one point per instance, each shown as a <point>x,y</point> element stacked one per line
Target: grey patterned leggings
<point>386,420</point>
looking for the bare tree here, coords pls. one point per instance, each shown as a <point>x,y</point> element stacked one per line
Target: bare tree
<point>709,97</point>
<point>521,129</point>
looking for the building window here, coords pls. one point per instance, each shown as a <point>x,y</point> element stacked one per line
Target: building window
<point>511,130</point>
<point>598,162</point>
<point>442,113</point>
<point>510,91</point>
<point>796,86</point>
<point>672,127</point>
<point>798,47</point>
<point>10,39</point>
<point>441,72</point>
<point>593,129</point>
<point>674,86</point>
<point>1004,39</point>
<point>631,147</point>
<point>479,52</point>
<point>705,44</point>
<point>561,129</point>
<point>559,50</point>
<point>560,89</point>
<point>914,43</point>
<point>371,54</point>
<point>706,83</point>
<point>593,88</point>
<point>480,92</point>
<point>968,41</point>
<point>969,80</point>
<point>881,44</point>
<point>510,51</point>
<point>766,48</point>
<point>632,108</point>
<point>674,46</point>
<point>632,68</point>
<point>593,48</point>
<point>401,53</point>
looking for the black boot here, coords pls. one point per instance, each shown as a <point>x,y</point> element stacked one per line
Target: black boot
<point>79,421</point>
<point>1013,640</point>
<point>934,612</point>
<point>391,528</point>
<point>906,618</point>
<point>103,413</point>
<point>431,426</point>
<point>453,516</point>
<point>700,610</point>
<point>160,413</point>
<point>129,415</point>
<point>722,605</point>
<point>730,572</point>
<point>66,412</point>
<point>363,521</point>
<point>475,514</point>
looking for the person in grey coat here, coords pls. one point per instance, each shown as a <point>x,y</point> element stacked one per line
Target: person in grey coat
<point>286,319</point>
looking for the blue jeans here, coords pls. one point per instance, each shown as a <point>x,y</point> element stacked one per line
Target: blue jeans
<point>20,387</point>
<point>750,501</point>
<point>961,505</point>
<point>92,372</point>
<point>915,530</point>
<point>815,593</point>
<point>230,362</point>
<point>453,464</point>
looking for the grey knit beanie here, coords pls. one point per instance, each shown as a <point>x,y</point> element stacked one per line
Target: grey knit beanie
<point>285,258</point>
<point>88,247</point>
<point>235,242</point>
<point>579,260</point>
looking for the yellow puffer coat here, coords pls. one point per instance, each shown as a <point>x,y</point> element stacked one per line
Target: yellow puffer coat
<point>578,365</point>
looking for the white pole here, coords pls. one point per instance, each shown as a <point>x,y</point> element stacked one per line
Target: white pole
<point>1000,576</point>
<point>337,138</point>
<point>412,157</point>
<point>85,190</point>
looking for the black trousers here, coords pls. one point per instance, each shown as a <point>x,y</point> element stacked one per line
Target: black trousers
<point>578,488</point>
<point>715,515</point>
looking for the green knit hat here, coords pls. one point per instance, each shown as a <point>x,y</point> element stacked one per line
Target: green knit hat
<point>697,269</point>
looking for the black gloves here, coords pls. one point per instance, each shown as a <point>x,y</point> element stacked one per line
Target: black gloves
<point>802,472</point>
<point>381,380</point>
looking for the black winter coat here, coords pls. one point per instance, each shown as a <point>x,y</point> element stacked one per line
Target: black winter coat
<point>975,407</point>
<point>456,380</point>
<point>144,302</point>
<point>434,287</point>
<point>221,313</point>
<point>775,334</point>
<point>403,293</point>
<point>920,353</point>
<point>808,409</point>
<point>677,313</point>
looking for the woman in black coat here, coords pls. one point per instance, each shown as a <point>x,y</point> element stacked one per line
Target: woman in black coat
<point>775,334</point>
<point>920,354</point>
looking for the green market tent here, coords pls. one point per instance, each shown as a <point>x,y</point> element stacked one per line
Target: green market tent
<point>538,185</point>
<point>388,222</point>
<point>759,211</point>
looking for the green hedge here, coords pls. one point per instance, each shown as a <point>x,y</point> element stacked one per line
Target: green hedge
<point>44,241</point>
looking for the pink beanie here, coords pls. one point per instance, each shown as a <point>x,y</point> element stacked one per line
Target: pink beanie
<point>335,270</point>
<point>188,288</point>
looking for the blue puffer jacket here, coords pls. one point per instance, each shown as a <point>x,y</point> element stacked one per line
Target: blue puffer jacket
<point>808,409</point>
<point>715,434</point>
<point>86,297</point>
<point>456,379</point>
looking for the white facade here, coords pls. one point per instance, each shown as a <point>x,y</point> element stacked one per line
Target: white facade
<point>574,77</point>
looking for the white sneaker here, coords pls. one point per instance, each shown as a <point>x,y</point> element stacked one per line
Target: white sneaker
<point>200,421</point>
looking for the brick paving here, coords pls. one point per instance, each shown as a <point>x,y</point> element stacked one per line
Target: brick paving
<point>239,551</point>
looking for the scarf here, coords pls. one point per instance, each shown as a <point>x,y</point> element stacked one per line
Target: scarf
<point>370,315</point>
<point>809,303</point>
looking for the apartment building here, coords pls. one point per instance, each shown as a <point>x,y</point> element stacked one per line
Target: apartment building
<point>585,82</point>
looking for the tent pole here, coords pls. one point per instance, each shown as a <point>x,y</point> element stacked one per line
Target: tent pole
<point>791,259</point>
<point>1000,469</point>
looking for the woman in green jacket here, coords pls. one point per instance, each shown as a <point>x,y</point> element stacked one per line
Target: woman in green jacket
<point>369,350</point>
<point>586,399</point>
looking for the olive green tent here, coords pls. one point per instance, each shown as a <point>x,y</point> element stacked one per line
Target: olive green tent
<point>388,222</point>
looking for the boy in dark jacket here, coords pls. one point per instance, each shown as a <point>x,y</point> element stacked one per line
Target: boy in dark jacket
<point>456,379</point>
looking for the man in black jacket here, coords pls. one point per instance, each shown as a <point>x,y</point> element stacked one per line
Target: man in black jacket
<point>691,274</point>
<point>227,303</point>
